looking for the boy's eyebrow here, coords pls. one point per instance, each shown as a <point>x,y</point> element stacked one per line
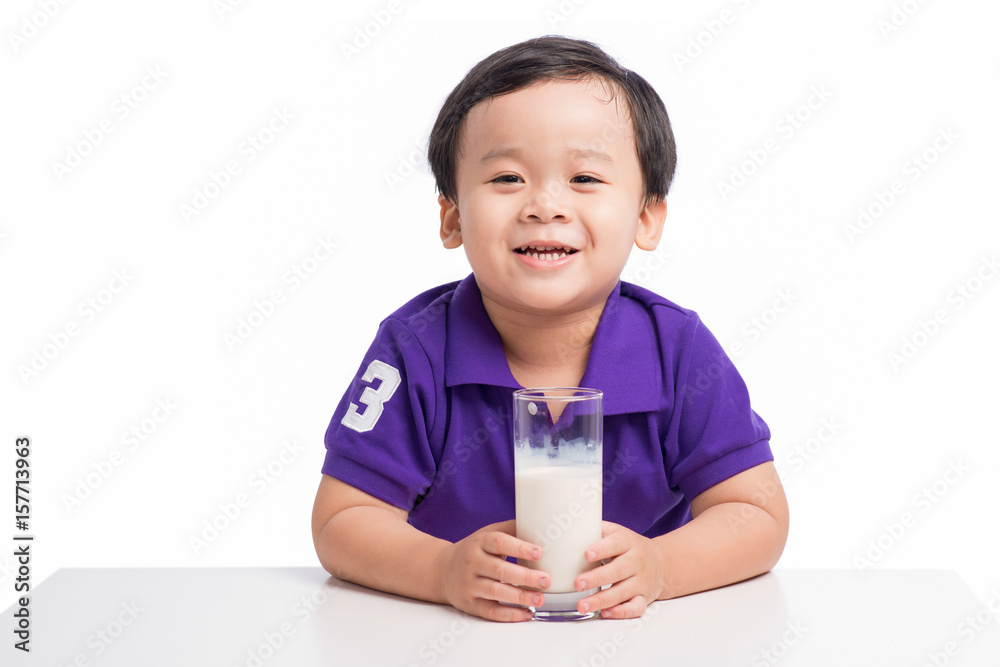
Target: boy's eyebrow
<point>497,153</point>
<point>575,153</point>
<point>590,154</point>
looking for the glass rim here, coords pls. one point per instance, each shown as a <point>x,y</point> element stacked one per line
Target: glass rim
<point>538,393</point>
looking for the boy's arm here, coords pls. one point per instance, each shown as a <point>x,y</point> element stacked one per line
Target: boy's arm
<point>360,538</point>
<point>363,539</point>
<point>738,531</point>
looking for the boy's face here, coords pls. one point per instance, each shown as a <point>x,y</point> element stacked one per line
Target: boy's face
<point>553,166</point>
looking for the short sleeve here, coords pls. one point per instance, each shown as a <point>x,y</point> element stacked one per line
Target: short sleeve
<point>718,435</point>
<point>378,439</point>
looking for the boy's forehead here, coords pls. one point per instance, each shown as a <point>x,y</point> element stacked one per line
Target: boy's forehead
<point>589,108</point>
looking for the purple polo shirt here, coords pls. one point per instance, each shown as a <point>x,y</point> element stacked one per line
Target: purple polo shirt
<point>426,424</point>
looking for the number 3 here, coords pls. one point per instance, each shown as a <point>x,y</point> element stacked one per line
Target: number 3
<point>374,398</point>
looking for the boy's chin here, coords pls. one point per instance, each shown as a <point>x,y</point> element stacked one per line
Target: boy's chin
<point>552,300</point>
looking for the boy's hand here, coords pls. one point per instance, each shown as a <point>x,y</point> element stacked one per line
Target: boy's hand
<point>476,578</point>
<point>634,573</point>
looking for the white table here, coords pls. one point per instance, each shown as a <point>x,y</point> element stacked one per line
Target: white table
<point>262,617</point>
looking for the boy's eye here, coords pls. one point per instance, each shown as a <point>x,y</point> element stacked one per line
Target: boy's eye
<point>507,178</point>
<point>584,179</point>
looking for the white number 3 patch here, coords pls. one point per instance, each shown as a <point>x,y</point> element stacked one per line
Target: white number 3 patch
<point>374,398</point>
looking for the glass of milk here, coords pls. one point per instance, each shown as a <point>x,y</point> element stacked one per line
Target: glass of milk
<point>558,438</point>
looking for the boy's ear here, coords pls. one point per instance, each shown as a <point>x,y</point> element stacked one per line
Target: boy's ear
<point>451,226</point>
<point>651,219</point>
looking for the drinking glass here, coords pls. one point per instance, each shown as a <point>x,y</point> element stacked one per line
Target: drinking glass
<point>558,441</point>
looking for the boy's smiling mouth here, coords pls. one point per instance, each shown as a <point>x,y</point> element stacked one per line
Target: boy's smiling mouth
<point>548,253</point>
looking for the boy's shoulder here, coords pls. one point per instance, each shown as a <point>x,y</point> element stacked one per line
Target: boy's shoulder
<point>424,317</point>
<point>425,306</point>
<point>672,329</point>
<point>656,305</point>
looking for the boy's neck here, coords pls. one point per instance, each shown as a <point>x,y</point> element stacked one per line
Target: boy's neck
<point>545,350</point>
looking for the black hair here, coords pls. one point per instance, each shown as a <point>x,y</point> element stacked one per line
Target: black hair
<point>555,57</point>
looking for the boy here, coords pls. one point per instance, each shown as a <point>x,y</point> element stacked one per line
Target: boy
<point>551,160</point>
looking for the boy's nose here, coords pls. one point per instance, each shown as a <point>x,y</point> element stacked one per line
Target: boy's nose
<point>547,204</point>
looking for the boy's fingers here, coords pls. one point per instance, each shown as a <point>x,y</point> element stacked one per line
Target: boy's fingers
<point>518,575</point>
<point>494,611</point>
<point>608,527</point>
<point>503,592</point>
<point>502,544</point>
<point>617,570</point>
<point>509,527</point>
<point>608,546</point>
<point>633,608</point>
<point>608,598</point>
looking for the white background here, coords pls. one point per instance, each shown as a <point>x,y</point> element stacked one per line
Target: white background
<point>898,428</point>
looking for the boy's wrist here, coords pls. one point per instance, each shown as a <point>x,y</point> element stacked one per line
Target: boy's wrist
<point>666,579</point>
<point>437,574</point>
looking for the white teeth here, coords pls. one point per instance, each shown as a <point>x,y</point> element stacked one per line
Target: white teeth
<point>544,249</point>
<point>545,253</point>
<point>546,256</point>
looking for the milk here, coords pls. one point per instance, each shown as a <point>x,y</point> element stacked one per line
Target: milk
<point>558,507</point>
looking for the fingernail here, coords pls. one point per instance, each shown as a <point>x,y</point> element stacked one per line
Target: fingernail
<point>584,607</point>
<point>543,582</point>
<point>536,600</point>
<point>582,585</point>
<point>591,555</point>
<point>536,554</point>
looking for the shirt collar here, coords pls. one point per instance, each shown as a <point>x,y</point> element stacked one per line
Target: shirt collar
<point>623,363</point>
<point>473,349</point>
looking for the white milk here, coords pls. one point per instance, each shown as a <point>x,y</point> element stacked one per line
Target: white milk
<point>559,509</point>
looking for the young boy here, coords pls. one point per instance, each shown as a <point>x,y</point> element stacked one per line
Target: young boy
<point>551,160</point>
